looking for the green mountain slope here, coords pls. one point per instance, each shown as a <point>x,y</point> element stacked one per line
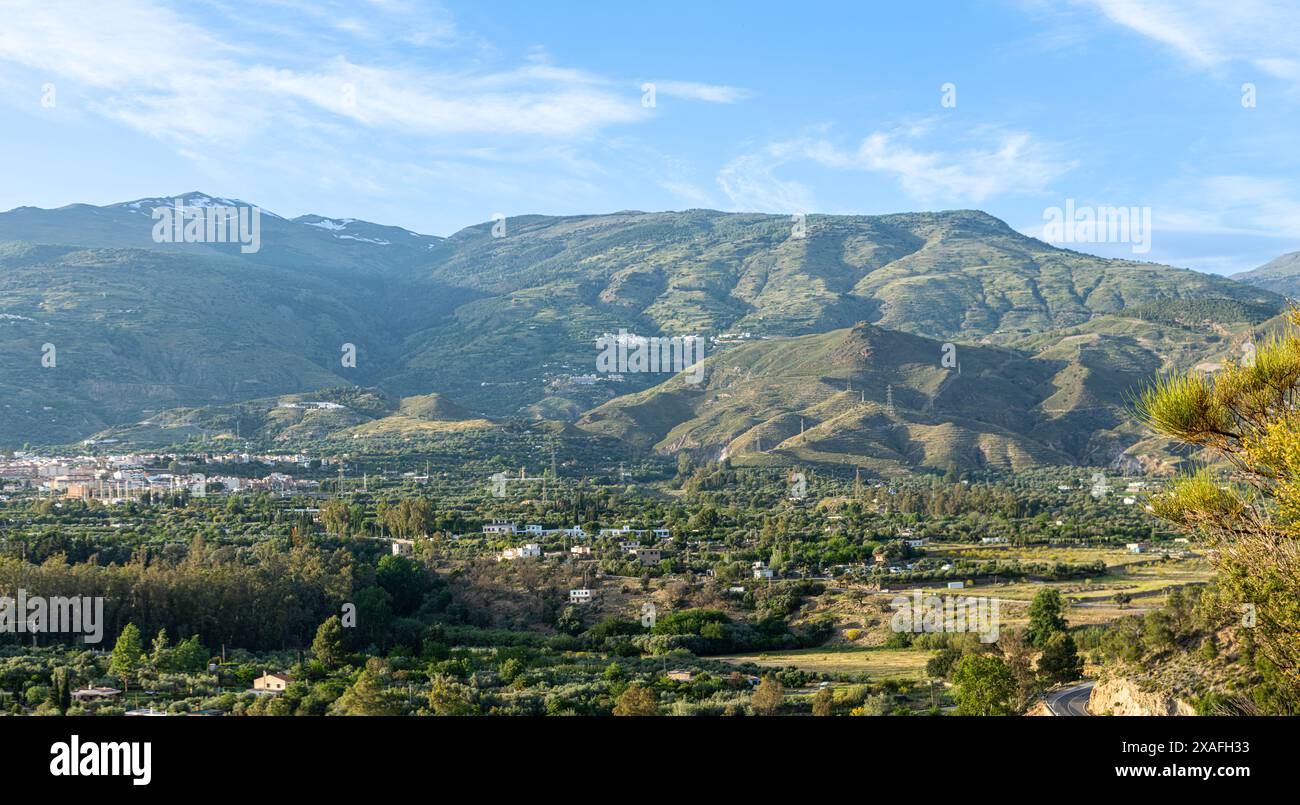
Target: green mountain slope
<point>882,399</point>
<point>338,415</point>
<point>135,332</point>
<point>507,326</point>
<point>549,286</point>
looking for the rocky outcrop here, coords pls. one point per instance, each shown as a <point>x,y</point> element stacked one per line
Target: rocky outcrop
<point>1123,697</point>
<point>1038,709</point>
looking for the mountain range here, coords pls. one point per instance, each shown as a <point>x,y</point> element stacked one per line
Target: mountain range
<point>839,330</point>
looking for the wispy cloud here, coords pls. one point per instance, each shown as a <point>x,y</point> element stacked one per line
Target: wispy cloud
<point>711,93</point>
<point>155,71</point>
<point>751,183</point>
<point>992,163</point>
<point>1212,33</point>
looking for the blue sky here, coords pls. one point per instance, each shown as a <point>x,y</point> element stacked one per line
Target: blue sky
<point>436,116</point>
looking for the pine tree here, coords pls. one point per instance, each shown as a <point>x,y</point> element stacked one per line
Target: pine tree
<point>128,654</point>
<point>1249,415</point>
<point>1060,661</point>
<point>329,647</point>
<point>62,683</point>
<point>1045,617</point>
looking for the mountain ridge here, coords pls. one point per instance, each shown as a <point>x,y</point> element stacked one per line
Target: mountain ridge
<point>506,325</point>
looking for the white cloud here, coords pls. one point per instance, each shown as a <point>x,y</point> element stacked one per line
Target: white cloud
<point>148,67</point>
<point>1213,33</point>
<point>750,182</point>
<point>711,93</point>
<point>996,163</point>
<point>1011,162</point>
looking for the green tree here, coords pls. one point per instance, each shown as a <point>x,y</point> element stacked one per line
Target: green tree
<point>1249,415</point>
<point>336,516</point>
<point>190,656</point>
<point>569,621</point>
<point>984,686</point>
<point>768,696</point>
<point>1060,661</point>
<point>404,580</point>
<point>1045,618</point>
<point>160,656</point>
<point>61,694</point>
<point>941,664</point>
<point>1018,654</point>
<point>1158,631</point>
<point>637,701</point>
<point>329,646</point>
<point>374,614</point>
<point>127,656</point>
<point>447,697</point>
<point>370,695</point>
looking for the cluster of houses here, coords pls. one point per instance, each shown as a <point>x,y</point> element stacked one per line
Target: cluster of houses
<point>119,478</point>
<point>122,485</point>
<point>629,544</point>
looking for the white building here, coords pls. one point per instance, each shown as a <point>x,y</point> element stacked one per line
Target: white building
<point>529,551</point>
<point>580,596</point>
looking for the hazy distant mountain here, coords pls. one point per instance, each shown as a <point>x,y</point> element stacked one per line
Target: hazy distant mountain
<point>309,241</point>
<point>1280,275</point>
<point>503,318</point>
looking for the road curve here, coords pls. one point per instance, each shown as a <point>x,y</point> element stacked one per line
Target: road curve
<point>1071,701</point>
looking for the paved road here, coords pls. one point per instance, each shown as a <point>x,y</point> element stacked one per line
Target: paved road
<point>1070,701</point>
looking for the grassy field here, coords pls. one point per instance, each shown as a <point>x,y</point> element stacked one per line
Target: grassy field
<point>1139,575</point>
<point>878,664</point>
<point>1144,577</point>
